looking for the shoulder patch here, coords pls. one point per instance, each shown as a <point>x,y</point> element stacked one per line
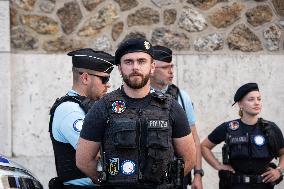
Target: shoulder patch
<point>77,125</point>
<point>234,125</point>
<point>118,106</point>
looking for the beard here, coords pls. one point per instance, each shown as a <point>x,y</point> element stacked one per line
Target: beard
<point>162,82</point>
<point>135,83</point>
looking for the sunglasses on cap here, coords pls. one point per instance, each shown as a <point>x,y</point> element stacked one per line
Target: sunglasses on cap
<point>104,79</point>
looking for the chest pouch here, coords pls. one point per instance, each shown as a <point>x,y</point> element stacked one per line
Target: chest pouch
<point>239,147</point>
<point>158,134</point>
<point>124,133</point>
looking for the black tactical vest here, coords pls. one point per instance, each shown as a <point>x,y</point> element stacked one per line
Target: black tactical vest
<point>173,90</point>
<point>137,145</point>
<point>64,153</point>
<point>244,145</point>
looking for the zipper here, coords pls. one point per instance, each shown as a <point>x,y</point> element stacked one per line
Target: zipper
<point>139,132</point>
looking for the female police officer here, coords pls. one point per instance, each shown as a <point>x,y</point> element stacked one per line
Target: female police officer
<point>250,145</point>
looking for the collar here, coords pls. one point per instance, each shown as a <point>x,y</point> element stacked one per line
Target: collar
<point>164,90</point>
<point>73,93</point>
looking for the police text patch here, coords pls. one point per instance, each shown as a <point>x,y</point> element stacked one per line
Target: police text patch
<point>158,124</point>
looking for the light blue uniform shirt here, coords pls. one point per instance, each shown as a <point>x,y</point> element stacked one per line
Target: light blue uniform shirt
<point>66,126</point>
<point>187,104</point>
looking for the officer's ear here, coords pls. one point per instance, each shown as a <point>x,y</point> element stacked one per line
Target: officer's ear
<point>84,77</point>
<point>119,68</point>
<point>153,65</point>
<point>240,105</point>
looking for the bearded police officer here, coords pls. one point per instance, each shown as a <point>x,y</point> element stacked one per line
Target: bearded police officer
<point>161,81</point>
<point>91,72</point>
<point>250,145</point>
<point>137,132</point>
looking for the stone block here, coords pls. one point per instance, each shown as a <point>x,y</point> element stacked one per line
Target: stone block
<point>168,38</point>
<point>104,17</point>
<point>192,20</point>
<point>259,15</point>
<point>126,4</point>
<point>90,5</point>
<point>102,43</point>
<point>226,15</point>
<point>243,39</point>
<point>143,16</point>
<point>279,6</point>
<point>209,43</point>
<point>22,39</point>
<point>41,24</point>
<point>27,5</point>
<point>117,29</point>
<point>70,16</point>
<point>170,16</point>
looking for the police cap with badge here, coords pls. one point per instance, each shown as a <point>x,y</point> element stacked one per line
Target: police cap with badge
<point>162,53</point>
<point>244,90</point>
<point>92,60</point>
<point>131,46</point>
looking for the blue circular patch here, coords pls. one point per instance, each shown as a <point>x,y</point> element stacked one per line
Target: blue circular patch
<point>128,167</point>
<point>77,125</point>
<point>118,106</point>
<point>259,140</point>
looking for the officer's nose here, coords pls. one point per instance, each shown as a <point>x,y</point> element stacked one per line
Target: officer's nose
<point>136,65</point>
<point>171,70</point>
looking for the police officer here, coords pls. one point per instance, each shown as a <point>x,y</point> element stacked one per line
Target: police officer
<point>91,72</point>
<point>161,81</point>
<point>138,131</point>
<point>251,143</point>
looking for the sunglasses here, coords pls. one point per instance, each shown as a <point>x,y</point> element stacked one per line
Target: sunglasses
<point>104,79</point>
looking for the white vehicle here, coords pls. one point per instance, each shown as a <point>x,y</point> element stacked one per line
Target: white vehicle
<point>13,175</point>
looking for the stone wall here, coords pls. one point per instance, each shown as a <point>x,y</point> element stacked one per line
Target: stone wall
<point>189,26</point>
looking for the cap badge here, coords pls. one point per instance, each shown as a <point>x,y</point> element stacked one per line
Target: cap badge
<point>234,125</point>
<point>128,167</point>
<point>147,45</point>
<point>259,140</point>
<point>113,166</point>
<point>118,106</point>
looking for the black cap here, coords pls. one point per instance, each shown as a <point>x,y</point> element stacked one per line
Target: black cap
<point>243,90</point>
<point>93,60</point>
<point>133,45</point>
<point>162,53</point>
